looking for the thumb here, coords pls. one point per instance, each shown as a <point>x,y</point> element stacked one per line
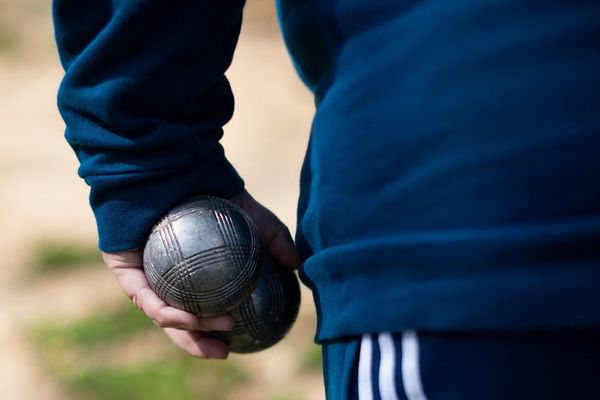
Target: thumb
<point>274,235</point>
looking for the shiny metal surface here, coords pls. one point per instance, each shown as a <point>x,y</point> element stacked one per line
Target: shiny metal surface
<point>268,314</point>
<point>203,256</point>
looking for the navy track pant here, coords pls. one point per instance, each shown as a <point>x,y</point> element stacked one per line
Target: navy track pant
<point>464,366</point>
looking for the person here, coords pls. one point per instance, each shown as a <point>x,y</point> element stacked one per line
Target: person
<point>449,214</point>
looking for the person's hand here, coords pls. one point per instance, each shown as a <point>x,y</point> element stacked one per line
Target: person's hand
<point>274,235</point>
<point>183,328</point>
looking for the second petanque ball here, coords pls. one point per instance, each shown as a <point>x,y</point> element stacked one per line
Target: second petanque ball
<point>203,256</point>
<point>267,314</point>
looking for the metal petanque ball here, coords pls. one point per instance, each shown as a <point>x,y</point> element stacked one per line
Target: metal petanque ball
<point>267,314</point>
<point>203,256</point>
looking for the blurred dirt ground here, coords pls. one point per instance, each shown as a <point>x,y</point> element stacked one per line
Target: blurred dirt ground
<point>42,198</point>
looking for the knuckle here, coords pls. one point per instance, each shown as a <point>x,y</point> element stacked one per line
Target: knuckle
<point>162,321</point>
<point>135,299</point>
<point>165,320</point>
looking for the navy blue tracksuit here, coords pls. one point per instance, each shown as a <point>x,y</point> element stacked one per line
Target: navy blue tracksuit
<point>451,183</point>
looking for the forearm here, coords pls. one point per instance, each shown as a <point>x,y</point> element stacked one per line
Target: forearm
<point>144,98</point>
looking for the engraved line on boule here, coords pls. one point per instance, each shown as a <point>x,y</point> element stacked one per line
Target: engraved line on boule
<point>212,296</point>
<point>242,327</point>
<point>184,272</point>
<point>189,208</point>
<point>254,238</point>
<point>226,231</point>
<point>177,285</point>
<point>150,271</point>
<point>234,237</point>
<point>174,260</point>
<point>178,258</point>
<point>201,260</point>
<point>248,315</point>
<point>255,243</point>
<point>276,289</point>
<point>166,245</point>
<point>176,215</point>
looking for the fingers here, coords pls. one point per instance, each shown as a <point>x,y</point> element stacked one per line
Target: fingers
<point>198,345</point>
<point>127,269</point>
<point>278,241</point>
<point>274,235</point>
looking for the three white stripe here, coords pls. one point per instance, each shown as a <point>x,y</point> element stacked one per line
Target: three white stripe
<point>365,385</point>
<point>387,367</point>
<point>411,371</point>
<point>411,376</point>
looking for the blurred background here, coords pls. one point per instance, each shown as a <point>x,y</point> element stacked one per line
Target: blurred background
<point>66,330</point>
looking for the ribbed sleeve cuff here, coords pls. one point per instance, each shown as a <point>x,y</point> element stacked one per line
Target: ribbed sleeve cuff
<point>126,207</point>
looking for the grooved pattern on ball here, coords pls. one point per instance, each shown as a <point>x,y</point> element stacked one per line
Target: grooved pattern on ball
<point>203,256</point>
<point>267,314</point>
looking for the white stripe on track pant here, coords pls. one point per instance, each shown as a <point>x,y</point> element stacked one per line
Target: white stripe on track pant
<point>384,385</point>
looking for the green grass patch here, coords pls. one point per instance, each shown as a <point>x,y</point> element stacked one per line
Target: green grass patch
<point>8,40</point>
<point>96,329</point>
<point>54,256</point>
<point>85,357</point>
<point>285,396</point>
<point>311,359</point>
<point>175,377</point>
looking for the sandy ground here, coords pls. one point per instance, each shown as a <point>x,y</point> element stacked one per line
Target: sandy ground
<point>42,197</point>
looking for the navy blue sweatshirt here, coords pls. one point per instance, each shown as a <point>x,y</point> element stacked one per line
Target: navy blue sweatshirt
<point>452,177</point>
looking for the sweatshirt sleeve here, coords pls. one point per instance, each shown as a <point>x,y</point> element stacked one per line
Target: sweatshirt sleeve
<point>144,99</point>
